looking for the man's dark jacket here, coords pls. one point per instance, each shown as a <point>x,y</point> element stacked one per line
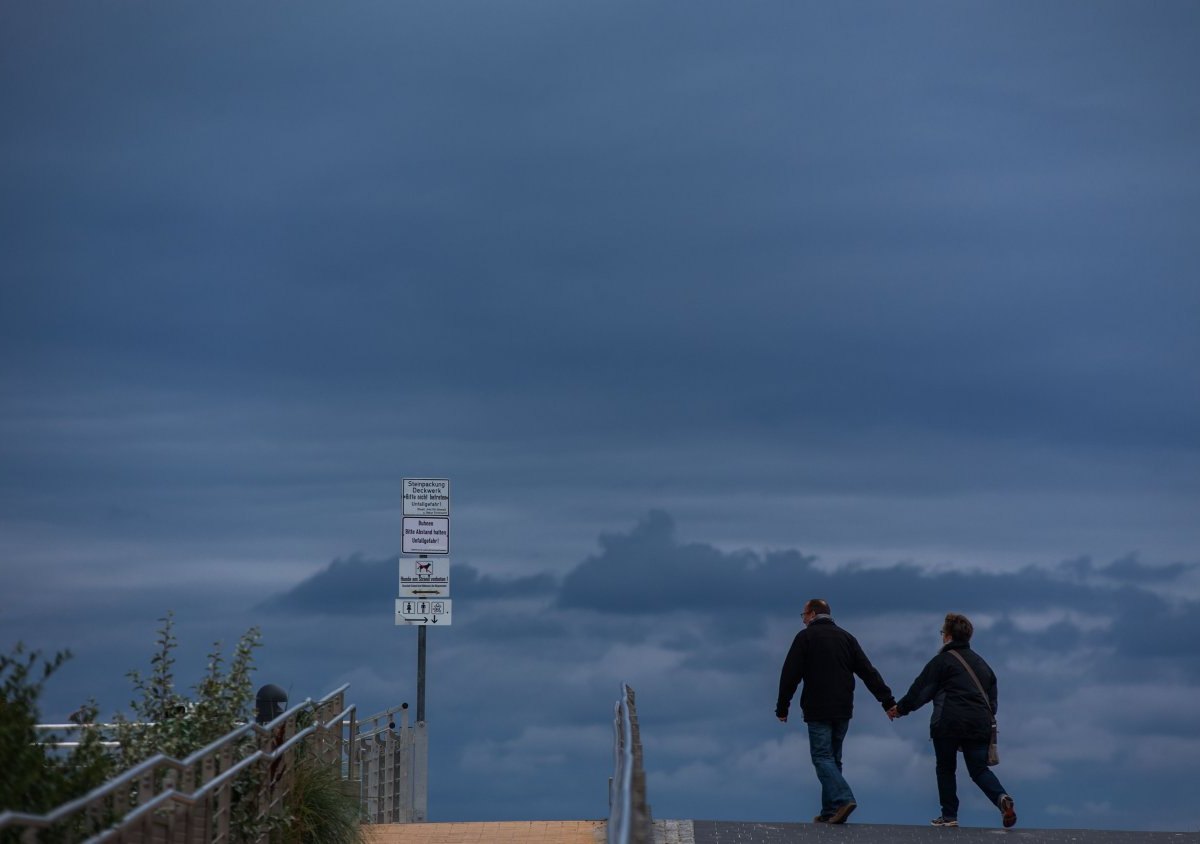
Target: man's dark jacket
<point>958,709</point>
<point>826,658</point>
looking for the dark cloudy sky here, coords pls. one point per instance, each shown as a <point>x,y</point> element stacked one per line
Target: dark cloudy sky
<point>704,309</point>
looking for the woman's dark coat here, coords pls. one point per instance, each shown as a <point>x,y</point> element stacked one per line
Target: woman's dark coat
<point>959,710</point>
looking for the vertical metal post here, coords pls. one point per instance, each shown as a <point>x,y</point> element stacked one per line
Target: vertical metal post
<point>421,673</point>
<point>421,742</point>
<point>421,666</point>
<point>404,776</point>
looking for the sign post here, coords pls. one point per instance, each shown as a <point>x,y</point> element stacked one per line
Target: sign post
<point>421,674</point>
<point>424,593</point>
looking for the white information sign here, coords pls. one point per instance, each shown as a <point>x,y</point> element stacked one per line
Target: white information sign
<point>423,612</point>
<point>425,535</point>
<point>426,497</point>
<point>424,578</point>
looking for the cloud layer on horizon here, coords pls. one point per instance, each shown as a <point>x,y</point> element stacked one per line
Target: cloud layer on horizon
<point>1094,666</point>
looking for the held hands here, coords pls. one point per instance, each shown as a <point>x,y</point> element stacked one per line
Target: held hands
<point>893,713</point>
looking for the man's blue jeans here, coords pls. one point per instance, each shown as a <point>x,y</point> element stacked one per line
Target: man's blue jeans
<point>825,744</point>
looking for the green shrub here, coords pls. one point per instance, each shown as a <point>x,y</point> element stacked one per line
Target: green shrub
<point>33,777</point>
<point>168,722</point>
<point>318,808</point>
<point>163,720</point>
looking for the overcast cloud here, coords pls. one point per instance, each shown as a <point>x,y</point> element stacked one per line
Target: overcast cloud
<point>703,308</point>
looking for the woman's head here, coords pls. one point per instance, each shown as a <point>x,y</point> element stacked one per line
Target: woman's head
<point>958,627</point>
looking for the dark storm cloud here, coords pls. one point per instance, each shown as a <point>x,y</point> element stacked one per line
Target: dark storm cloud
<point>647,573</point>
<point>636,571</point>
<point>1151,630</point>
<point>352,585</point>
<point>649,570</point>
<point>470,582</point>
<point>345,586</point>
<point>1131,570</point>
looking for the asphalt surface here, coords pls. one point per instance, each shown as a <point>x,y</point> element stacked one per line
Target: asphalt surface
<point>735,832</point>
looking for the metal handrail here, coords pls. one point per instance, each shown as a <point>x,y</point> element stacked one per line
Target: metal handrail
<point>385,716</point>
<point>620,809</point>
<point>172,795</point>
<point>162,761</point>
<point>393,772</point>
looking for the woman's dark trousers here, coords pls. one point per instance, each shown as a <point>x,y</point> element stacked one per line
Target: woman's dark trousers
<point>975,755</point>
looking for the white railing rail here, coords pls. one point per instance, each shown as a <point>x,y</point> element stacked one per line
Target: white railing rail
<point>52,741</point>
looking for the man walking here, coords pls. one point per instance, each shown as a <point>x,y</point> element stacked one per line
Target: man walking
<point>825,658</point>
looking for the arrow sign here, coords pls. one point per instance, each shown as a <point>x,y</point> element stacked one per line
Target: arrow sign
<point>422,611</point>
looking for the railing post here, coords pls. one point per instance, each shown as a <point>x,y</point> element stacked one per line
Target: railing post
<point>223,798</point>
<point>387,776</point>
<point>404,762</point>
<point>351,747</point>
<point>377,791</point>
<point>420,755</point>
<point>629,819</point>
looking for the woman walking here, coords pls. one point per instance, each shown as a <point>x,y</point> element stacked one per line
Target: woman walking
<point>963,690</point>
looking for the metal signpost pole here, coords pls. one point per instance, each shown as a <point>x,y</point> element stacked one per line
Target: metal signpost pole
<point>424,600</point>
<point>421,674</point>
<point>421,737</point>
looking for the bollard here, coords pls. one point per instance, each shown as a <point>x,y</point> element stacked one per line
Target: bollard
<point>270,703</point>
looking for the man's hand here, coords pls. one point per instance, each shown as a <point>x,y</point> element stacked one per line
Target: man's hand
<point>782,718</point>
<point>893,713</point>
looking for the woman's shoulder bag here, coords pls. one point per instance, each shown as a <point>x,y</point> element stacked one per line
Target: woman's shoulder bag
<point>993,749</point>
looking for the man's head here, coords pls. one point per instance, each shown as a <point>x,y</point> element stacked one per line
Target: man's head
<point>958,627</point>
<point>814,608</point>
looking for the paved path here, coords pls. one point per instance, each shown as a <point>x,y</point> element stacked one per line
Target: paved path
<point>733,832</point>
<point>738,832</point>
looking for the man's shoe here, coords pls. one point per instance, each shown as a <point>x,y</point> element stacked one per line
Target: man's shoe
<point>940,821</point>
<point>842,812</point>
<point>1008,812</point>
<point>822,818</point>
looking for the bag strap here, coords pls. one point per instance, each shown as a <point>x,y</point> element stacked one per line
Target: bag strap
<point>978,685</point>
